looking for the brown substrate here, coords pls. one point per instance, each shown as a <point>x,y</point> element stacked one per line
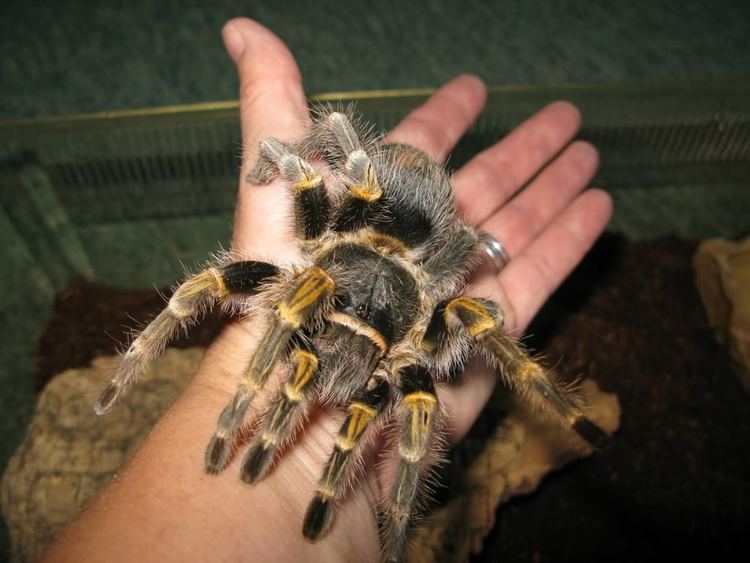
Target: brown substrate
<point>91,320</point>
<point>674,480</point>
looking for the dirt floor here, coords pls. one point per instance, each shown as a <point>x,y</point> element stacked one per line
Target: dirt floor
<point>674,482</point>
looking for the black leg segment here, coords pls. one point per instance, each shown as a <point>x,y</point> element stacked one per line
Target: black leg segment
<point>245,277</point>
<point>339,468</point>
<point>312,209</point>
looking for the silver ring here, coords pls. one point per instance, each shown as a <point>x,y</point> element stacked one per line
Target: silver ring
<point>495,250</point>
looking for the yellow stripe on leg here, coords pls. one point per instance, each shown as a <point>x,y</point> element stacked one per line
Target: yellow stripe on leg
<point>307,183</point>
<point>314,285</point>
<point>305,364</point>
<point>420,396</point>
<point>360,416</point>
<point>369,189</point>
<point>478,320</point>
<point>415,439</point>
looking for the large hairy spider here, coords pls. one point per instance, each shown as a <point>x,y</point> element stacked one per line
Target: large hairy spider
<point>371,321</point>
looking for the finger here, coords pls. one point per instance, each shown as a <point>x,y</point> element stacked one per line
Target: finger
<point>272,104</point>
<point>520,220</point>
<point>436,126</point>
<point>272,100</point>
<point>495,174</point>
<point>532,276</point>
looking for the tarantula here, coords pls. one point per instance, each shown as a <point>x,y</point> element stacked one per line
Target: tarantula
<point>372,320</point>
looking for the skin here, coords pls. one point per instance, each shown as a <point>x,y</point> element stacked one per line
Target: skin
<point>162,506</point>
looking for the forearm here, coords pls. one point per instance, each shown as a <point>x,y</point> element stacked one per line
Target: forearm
<point>162,501</point>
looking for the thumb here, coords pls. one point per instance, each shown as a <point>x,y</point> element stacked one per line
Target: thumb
<point>272,104</point>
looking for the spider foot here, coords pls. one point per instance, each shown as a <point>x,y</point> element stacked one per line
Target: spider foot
<point>217,455</point>
<point>318,518</point>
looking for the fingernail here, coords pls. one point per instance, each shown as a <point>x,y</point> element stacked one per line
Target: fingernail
<point>233,41</point>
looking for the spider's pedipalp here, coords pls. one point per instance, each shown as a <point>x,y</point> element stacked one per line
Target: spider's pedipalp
<point>344,133</point>
<point>191,299</point>
<point>309,293</point>
<point>419,410</point>
<point>364,183</point>
<point>539,386</point>
<point>339,467</point>
<point>311,204</point>
<point>483,322</point>
<point>280,423</point>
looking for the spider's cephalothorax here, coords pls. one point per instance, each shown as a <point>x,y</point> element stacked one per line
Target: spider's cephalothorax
<point>369,323</point>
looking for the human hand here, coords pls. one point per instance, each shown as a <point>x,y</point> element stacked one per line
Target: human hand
<point>547,229</point>
<point>163,506</point>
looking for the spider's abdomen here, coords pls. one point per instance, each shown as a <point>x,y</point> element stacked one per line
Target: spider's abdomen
<point>373,289</point>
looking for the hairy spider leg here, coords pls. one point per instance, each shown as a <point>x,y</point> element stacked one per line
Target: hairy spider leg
<point>358,166</point>
<point>281,422</point>
<point>340,467</point>
<point>192,298</point>
<point>483,322</point>
<point>419,409</point>
<point>311,204</point>
<point>310,291</point>
<point>364,192</point>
